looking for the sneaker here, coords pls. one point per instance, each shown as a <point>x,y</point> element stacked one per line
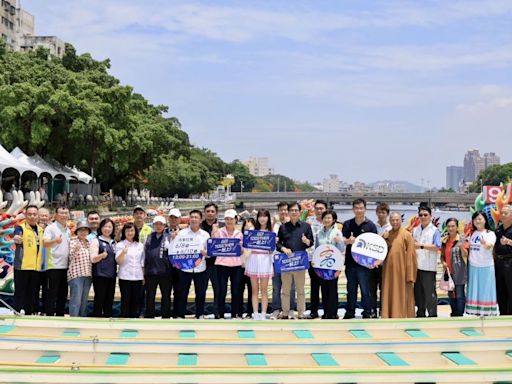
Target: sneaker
<point>313,315</point>
<point>263,316</point>
<point>275,315</point>
<point>283,317</point>
<point>200,317</point>
<point>255,316</point>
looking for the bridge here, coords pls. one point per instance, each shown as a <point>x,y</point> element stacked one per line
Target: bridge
<point>432,198</point>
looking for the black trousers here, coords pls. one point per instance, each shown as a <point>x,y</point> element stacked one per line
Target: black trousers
<point>130,297</point>
<point>211,271</point>
<point>200,285</point>
<point>175,286</point>
<point>235,275</point>
<point>26,290</point>
<point>425,294</point>
<point>314,290</point>
<point>42,289</point>
<point>376,287</point>
<point>151,284</point>
<point>329,298</point>
<point>246,283</point>
<point>503,272</point>
<point>104,290</point>
<point>56,292</point>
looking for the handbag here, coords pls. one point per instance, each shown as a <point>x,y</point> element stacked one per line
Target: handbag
<point>446,283</point>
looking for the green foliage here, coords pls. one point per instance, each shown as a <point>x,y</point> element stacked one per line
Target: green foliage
<point>494,175</point>
<point>74,111</point>
<point>449,190</point>
<point>280,183</point>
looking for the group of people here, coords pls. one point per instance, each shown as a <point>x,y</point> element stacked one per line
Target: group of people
<point>50,260</point>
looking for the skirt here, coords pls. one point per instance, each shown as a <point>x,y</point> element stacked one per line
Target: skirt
<point>260,265</point>
<point>481,296</point>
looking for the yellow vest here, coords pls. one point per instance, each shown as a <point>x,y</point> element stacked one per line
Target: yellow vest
<point>31,257</point>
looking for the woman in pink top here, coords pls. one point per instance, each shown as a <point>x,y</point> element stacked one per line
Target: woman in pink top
<point>229,268</point>
<point>259,268</point>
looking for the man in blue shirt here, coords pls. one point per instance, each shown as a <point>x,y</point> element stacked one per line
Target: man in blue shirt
<point>357,275</point>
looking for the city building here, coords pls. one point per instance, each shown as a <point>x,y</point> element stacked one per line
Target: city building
<point>9,25</point>
<point>491,159</point>
<point>259,166</point>
<point>473,165</point>
<point>454,177</point>
<point>332,184</point>
<point>17,29</point>
<point>52,43</point>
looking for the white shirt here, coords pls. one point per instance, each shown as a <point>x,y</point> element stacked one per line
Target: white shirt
<point>427,260</point>
<point>131,269</point>
<point>480,256</point>
<point>382,228</point>
<point>57,256</point>
<point>200,236</point>
<point>316,227</point>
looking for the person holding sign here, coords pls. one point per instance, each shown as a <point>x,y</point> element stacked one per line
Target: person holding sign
<point>503,260</point>
<point>398,272</point>
<point>259,268</point>
<point>357,275</point>
<point>294,236</point>
<point>329,234</point>
<point>187,252</point>
<point>130,257</point>
<point>229,267</point>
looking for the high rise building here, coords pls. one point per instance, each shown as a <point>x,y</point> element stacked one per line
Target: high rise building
<point>259,166</point>
<point>332,184</point>
<point>454,176</point>
<point>491,159</point>
<point>473,165</point>
<point>17,29</point>
<point>9,25</point>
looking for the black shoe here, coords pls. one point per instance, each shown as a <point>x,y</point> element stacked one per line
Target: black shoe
<point>313,315</point>
<point>348,316</point>
<point>283,318</point>
<point>217,316</point>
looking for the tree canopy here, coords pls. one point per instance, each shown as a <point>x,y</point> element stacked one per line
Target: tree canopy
<point>73,110</point>
<point>493,175</point>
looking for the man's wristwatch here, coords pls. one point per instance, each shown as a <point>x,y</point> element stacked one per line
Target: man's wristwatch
<point>422,247</point>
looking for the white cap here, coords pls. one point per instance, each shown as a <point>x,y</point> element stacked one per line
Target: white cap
<point>175,212</point>
<point>159,219</point>
<point>230,213</point>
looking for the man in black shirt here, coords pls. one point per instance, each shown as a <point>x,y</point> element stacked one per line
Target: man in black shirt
<point>294,236</point>
<point>210,224</point>
<point>503,261</point>
<point>357,275</point>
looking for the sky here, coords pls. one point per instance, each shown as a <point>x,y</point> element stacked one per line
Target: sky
<point>365,89</point>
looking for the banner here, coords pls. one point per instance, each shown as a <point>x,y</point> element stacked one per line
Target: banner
<point>262,240</point>
<point>298,261</point>
<point>185,252</point>
<point>223,247</point>
<point>327,261</point>
<point>327,256</point>
<point>368,249</point>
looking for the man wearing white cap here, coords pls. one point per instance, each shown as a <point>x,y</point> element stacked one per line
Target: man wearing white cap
<point>173,221</point>
<point>157,269</point>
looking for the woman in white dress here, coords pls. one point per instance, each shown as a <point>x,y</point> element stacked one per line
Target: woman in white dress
<point>259,268</point>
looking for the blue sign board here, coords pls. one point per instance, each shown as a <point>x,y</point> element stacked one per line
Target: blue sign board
<point>298,261</point>
<point>223,247</point>
<point>262,240</point>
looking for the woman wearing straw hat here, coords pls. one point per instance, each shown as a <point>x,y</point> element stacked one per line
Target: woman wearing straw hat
<point>79,271</point>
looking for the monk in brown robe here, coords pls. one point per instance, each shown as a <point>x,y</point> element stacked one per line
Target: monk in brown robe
<point>399,272</point>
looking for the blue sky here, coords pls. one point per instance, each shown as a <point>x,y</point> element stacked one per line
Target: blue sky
<point>368,90</point>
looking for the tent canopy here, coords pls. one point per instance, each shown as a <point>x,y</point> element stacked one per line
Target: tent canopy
<point>9,161</point>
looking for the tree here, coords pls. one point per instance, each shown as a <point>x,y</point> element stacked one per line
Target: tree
<point>243,178</point>
<point>493,175</point>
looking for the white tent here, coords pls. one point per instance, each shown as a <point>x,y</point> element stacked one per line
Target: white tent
<point>82,176</point>
<point>56,170</point>
<point>18,154</point>
<point>9,161</point>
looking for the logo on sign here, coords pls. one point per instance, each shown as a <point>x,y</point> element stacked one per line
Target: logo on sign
<point>370,246</point>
